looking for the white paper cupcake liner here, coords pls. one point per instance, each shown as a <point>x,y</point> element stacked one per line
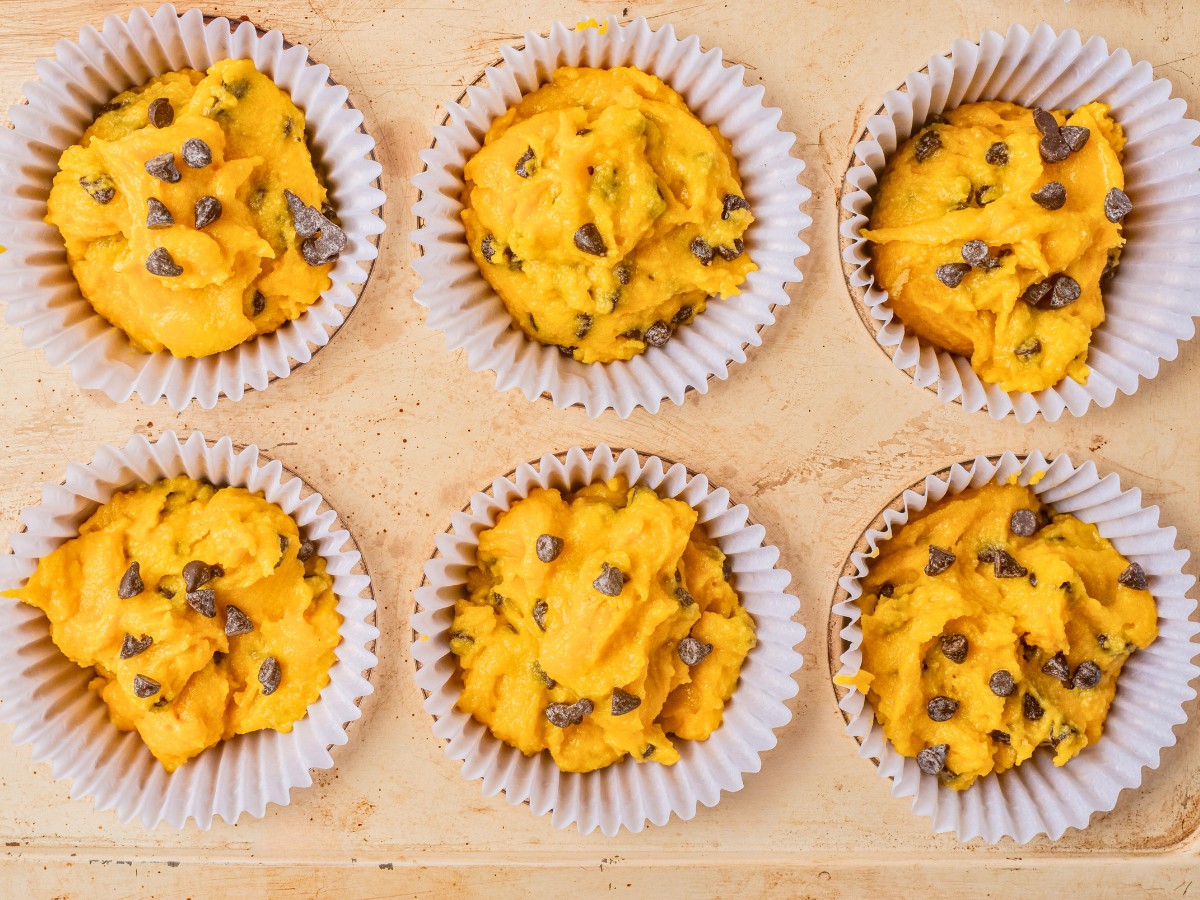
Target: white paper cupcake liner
<point>1152,298</point>
<point>46,697</point>
<point>462,304</point>
<point>42,296</point>
<point>626,794</point>
<point>1037,797</point>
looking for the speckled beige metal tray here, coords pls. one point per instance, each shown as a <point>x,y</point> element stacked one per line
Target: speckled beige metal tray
<point>816,433</point>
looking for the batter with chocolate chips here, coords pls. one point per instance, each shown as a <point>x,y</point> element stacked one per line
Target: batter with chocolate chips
<point>992,626</point>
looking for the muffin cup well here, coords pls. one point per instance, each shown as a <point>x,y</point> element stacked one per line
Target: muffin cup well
<point>626,794</point>
<point>43,298</point>
<point>463,305</point>
<point>1152,297</point>
<point>1037,797</point>
<point>46,696</point>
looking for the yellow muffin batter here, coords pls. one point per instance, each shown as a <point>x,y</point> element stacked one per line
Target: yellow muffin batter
<point>202,610</point>
<point>605,214</point>
<point>973,178</point>
<point>597,625</point>
<point>971,664</point>
<point>135,202</point>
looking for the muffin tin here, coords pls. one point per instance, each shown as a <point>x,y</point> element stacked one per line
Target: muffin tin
<point>815,432</point>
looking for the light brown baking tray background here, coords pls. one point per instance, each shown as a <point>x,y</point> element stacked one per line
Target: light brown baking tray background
<point>815,433</point>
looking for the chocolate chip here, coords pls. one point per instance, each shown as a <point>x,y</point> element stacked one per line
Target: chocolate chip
<point>1002,683</point>
<point>583,131</point>
<point>541,675</point>
<point>1024,523</point>
<point>487,248</point>
<point>196,153</point>
<point>952,274</point>
<point>1102,641</point>
<point>610,581</point>
<point>987,554</point>
<point>692,651</point>
<point>1057,667</point>
<point>927,144</point>
<point>1000,737</point>
<point>583,324</point>
<point>160,262</point>
<point>208,210</point>
<point>163,168</point>
<point>305,219</point>
<point>1038,292</point>
<point>325,247</point>
<point>1032,709</point>
<point>196,574</point>
<point>976,253</point>
<point>702,250</point>
<point>461,636</point>
<point>514,264</point>
<point>238,88</point>
<point>941,709</point>
<point>166,591</point>
<point>729,254</point>
<point>236,622</point>
<point>567,351</point>
<point>540,608</point>
<point>131,582</point>
<point>1045,122</point>
<point>203,601</point>
<point>161,114</point>
<point>1134,577</point>
<point>589,240</point>
<point>1053,148</point>
<point>1004,566</point>
<point>144,687</point>
<point>997,154</point>
<point>932,760</point>
<point>1028,349</point>
<point>564,715</point>
<point>269,674</point>
<point>1056,739</point>
<point>683,314</point>
<point>1066,291</point>
<point>1028,651</point>
<point>1051,195</point>
<point>1087,675</point>
<point>99,188</point>
<point>624,702</point>
<point>157,215</point>
<point>954,647</point>
<point>727,568</point>
<point>623,273</point>
<point>305,551</point>
<point>132,646</point>
<point>939,560</point>
<point>548,547</point>
<point>1076,136</point>
<point>1032,580</point>
<point>684,597</point>
<point>526,158</point>
<point>648,752</point>
<point>259,303</point>
<point>1117,205</point>
<point>732,203</point>
<point>657,334</point>
<point>887,589</point>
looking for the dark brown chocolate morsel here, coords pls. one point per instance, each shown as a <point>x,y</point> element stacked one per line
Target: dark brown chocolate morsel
<point>588,239</point>
<point>540,608</point>
<point>1032,709</point>
<point>1038,292</point>
<point>487,247</point>
<point>259,303</point>
<point>683,314</point>
<point>541,675</point>
<point>99,188</point>
<point>702,250</point>
<point>727,568</point>
<point>1087,675</point>
<point>196,153</point>
<point>932,760</point>
<point>196,574</point>
<point>522,167</point>
<point>1001,737</point>
<point>1045,122</point>
<point>1065,292</point>
<point>939,560</point>
<point>977,255</point>
<point>160,114</point>
<point>132,646</point>
<point>306,220</point>
<point>954,647</point>
<point>236,622</point>
<point>203,601</point>
<point>144,687</point>
<point>610,581</point>
<point>731,203</point>
<point>1076,136</point>
<point>567,351</point>
<point>692,651</point>
<point>1051,195</point>
<point>684,597</point>
<point>160,262</point>
<point>284,543</point>
<point>1028,349</point>
<point>941,709</point>
<point>952,274</point>
<point>1005,566</point>
<point>729,254</point>
<point>623,272</point>
<point>131,582</point>
<point>207,211</point>
<point>163,168</point>
<point>1053,148</point>
<point>325,247</point>
<point>927,144</point>
<point>269,674</point>
<point>1058,667</point>
<point>1134,577</point>
<point>157,215</point>
<point>305,551</point>
<point>1117,205</point>
<point>997,154</point>
<point>548,547</point>
<point>564,715</point>
<point>657,334</point>
<point>461,636</point>
<point>583,324</point>
<point>1024,523</point>
<point>1032,580</point>
<point>1002,683</point>
<point>887,589</point>
<point>624,702</point>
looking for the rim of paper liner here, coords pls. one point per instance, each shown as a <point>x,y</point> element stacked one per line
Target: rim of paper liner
<point>472,317</point>
<point>46,697</point>
<point>626,794</point>
<point>1037,797</point>
<point>44,300</point>
<point>1150,301</point>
